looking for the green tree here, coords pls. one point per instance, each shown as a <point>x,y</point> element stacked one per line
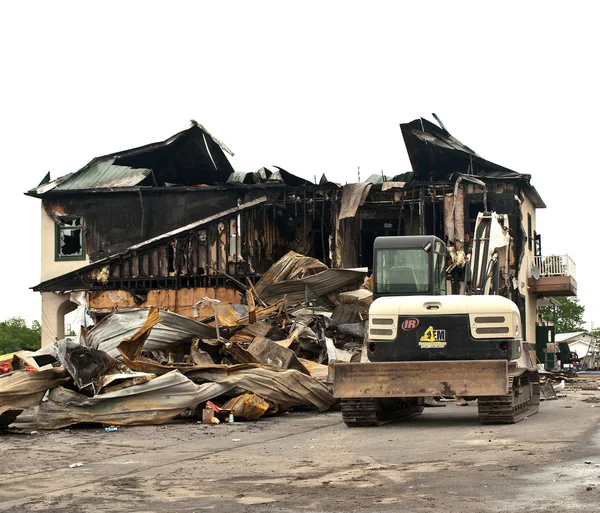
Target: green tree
<point>16,335</point>
<point>569,314</point>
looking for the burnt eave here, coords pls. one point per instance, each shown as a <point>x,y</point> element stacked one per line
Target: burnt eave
<point>182,188</point>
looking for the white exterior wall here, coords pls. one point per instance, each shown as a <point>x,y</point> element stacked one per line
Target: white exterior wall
<point>530,299</point>
<point>54,306</point>
<point>585,346</point>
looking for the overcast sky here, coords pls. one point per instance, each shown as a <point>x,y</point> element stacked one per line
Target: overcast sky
<point>313,87</point>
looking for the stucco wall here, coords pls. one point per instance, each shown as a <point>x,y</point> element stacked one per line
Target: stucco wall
<point>49,267</point>
<point>54,306</point>
<point>530,300</point>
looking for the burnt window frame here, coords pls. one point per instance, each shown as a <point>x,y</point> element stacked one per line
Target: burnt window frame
<point>58,228</point>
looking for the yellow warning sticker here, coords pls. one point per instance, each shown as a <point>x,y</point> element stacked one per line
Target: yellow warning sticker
<point>432,339</point>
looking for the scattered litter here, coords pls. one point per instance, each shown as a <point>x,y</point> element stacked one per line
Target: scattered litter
<point>78,464</point>
<point>547,392</point>
<point>235,439</point>
<point>34,433</point>
<point>591,400</point>
<point>588,462</point>
<point>434,402</point>
<point>110,429</point>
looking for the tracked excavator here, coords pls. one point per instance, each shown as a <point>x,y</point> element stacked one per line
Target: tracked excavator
<point>424,343</point>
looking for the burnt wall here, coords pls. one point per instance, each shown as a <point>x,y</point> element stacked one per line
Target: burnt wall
<point>116,220</point>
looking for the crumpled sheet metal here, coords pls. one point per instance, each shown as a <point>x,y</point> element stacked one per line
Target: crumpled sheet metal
<point>353,196</point>
<point>20,359</point>
<point>131,348</point>
<point>226,315</point>
<point>317,370</point>
<point>248,406</point>
<point>155,402</point>
<point>290,266</point>
<point>271,353</point>
<point>20,390</point>
<point>282,386</point>
<point>247,334</point>
<point>326,281</point>
<point>298,331</point>
<point>364,297</point>
<point>131,351</point>
<point>120,325</point>
<point>49,354</point>
<point>386,186</point>
<point>336,355</point>
<point>90,368</point>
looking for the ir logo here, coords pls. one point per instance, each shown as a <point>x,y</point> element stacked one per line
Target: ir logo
<point>410,324</point>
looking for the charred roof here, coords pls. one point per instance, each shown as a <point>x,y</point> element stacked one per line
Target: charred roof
<point>191,157</point>
<point>435,156</point>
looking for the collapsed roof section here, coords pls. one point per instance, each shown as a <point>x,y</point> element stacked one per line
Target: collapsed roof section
<point>266,176</point>
<point>435,156</point>
<point>191,157</point>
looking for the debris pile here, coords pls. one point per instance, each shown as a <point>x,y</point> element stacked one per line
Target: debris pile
<point>265,355</point>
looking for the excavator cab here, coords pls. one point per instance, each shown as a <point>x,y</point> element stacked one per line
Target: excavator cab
<point>409,266</point>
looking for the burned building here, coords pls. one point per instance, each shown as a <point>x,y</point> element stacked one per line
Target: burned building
<point>171,223</point>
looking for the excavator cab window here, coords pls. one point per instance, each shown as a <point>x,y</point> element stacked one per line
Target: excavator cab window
<point>439,274</point>
<point>402,271</point>
<point>409,265</point>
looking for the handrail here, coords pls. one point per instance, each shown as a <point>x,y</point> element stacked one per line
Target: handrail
<point>551,265</point>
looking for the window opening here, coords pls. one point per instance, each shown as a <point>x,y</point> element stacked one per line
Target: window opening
<point>171,258</point>
<point>69,235</point>
<point>439,276</point>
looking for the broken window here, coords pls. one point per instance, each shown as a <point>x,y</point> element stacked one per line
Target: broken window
<point>69,239</point>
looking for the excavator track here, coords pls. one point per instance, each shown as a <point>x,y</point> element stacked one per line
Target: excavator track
<point>375,412</point>
<point>522,400</point>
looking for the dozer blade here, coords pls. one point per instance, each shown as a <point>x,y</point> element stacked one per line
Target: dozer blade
<point>420,379</point>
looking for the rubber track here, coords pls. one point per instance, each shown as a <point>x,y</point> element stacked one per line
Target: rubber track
<point>522,400</point>
<point>375,412</point>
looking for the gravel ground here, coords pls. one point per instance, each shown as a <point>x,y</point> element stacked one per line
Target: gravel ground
<point>311,462</point>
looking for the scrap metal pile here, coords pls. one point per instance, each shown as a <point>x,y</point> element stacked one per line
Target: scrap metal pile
<point>265,355</point>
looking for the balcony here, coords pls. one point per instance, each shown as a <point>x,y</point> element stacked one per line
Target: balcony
<point>552,275</point>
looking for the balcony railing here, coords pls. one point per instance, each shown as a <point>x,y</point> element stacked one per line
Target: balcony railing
<point>552,265</point>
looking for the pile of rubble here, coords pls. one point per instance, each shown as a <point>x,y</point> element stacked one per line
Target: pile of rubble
<point>141,366</point>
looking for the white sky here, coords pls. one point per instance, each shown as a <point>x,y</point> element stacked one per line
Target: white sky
<point>313,87</point>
